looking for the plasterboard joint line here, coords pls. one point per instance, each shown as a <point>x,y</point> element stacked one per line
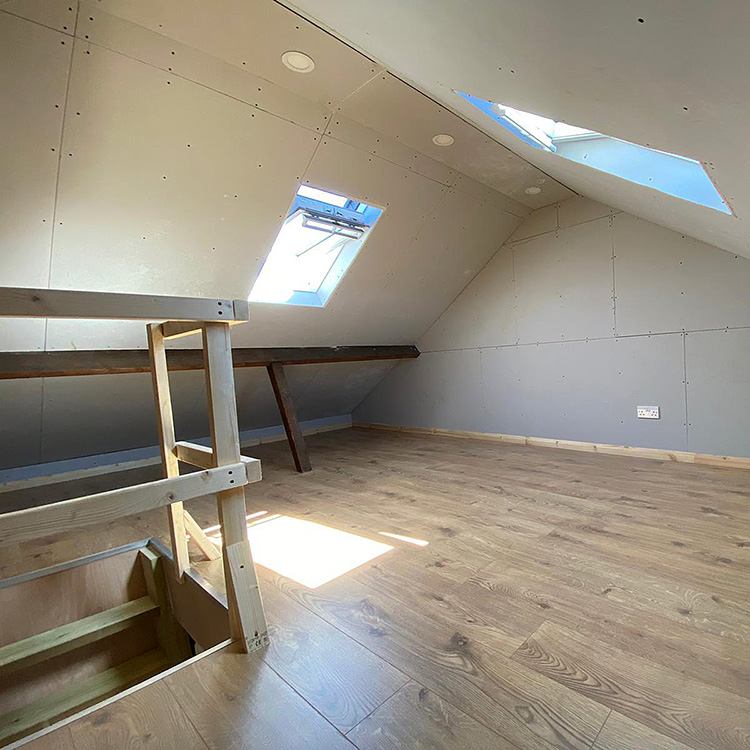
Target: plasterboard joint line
<point>322,134</point>
<point>485,134</point>
<point>401,166</point>
<point>376,74</point>
<point>174,74</point>
<point>449,185</point>
<point>614,278</point>
<point>685,387</point>
<point>59,166</point>
<point>34,21</point>
<point>583,340</point>
<point>524,240</point>
<point>54,219</point>
<point>314,22</point>
<point>447,107</point>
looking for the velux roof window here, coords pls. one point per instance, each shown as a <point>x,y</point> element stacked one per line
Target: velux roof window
<point>670,173</point>
<point>317,243</point>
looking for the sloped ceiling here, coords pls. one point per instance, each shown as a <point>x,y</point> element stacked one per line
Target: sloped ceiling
<point>155,147</point>
<point>671,75</point>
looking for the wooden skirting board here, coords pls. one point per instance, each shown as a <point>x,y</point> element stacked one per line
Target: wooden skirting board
<point>658,454</point>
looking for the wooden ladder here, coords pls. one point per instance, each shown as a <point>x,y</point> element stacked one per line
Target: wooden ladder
<point>246,613</point>
<point>225,471</point>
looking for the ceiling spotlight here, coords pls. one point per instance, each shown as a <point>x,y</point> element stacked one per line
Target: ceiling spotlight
<point>533,191</point>
<point>298,62</point>
<point>443,139</point>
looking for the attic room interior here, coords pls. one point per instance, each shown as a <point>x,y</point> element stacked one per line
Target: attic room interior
<point>374,376</point>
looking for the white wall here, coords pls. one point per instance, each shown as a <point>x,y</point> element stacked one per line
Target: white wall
<point>155,147</point>
<point>164,160</point>
<point>583,315</point>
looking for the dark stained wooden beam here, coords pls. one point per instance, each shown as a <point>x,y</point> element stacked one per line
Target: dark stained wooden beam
<point>112,361</point>
<point>289,417</point>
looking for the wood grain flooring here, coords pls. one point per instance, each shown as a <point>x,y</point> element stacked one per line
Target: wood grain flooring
<point>564,600</point>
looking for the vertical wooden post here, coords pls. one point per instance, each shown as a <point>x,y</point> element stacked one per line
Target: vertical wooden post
<point>173,640</point>
<point>289,417</point>
<point>165,425</point>
<point>247,618</point>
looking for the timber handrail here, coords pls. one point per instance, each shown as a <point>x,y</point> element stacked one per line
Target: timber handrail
<point>22,525</point>
<point>22,302</point>
<point>227,473</point>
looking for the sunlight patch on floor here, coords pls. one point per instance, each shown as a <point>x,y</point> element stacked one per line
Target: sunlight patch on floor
<point>402,538</point>
<point>307,552</point>
<point>211,530</point>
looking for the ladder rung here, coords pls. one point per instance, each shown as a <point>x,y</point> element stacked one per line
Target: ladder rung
<point>50,708</point>
<point>72,635</point>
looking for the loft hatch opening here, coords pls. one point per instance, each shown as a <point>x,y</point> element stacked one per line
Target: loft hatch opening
<point>673,174</point>
<point>318,241</point>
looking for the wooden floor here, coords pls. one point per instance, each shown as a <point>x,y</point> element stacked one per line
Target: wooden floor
<point>565,600</point>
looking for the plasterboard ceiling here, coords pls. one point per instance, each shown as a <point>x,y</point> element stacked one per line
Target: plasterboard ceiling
<point>251,35</point>
<point>672,75</point>
<point>198,162</point>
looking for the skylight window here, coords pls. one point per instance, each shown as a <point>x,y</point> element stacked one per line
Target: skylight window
<point>317,243</point>
<point>670,173</point>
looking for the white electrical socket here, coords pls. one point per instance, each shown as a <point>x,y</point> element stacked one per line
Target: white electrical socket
<point>647,412</point>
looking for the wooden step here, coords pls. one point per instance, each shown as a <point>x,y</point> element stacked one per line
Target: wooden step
<point>50,708</point>
<point>72,635</point>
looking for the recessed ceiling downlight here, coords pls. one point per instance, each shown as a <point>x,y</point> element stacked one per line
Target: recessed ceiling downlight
<point>533,191</point>
<point>443,139</point>
<point>298,62</point>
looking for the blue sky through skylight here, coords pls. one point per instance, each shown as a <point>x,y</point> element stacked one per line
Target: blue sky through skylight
<point>673,174</point>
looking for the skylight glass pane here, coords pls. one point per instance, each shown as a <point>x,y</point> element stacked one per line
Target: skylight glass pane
<point>314,248</point>
<point>673,174</point>
<point>299,261</point>
<point>322,195</point>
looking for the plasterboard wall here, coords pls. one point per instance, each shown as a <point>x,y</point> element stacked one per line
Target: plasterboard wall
<point>54,419</point>
<point>583,315</point>
<point>155,147</point>
<point>166,149</point>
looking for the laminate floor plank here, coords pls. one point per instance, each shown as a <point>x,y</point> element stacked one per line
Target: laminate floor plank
<point>237,702</point>
<point>59,739</point>
<point>475,675</point>
<point>560,599</point>
<point>600,610</point>
<point>621,733</point>
<point>417,718</point>
<point>336,675</point>
<point>689,711</point>
<point>147,718</point>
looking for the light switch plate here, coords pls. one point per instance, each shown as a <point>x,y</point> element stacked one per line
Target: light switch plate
<point>648,412</point>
